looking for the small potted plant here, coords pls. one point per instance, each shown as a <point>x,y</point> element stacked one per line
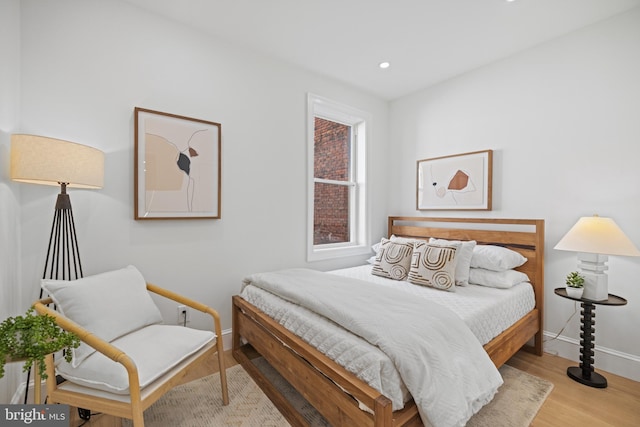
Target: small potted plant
<point>575,284</point>
<point>30,338</point>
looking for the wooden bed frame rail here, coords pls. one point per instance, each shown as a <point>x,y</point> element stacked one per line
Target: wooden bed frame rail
<point>334,391</point>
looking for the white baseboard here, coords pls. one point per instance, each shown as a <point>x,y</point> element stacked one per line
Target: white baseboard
<point>605,359</point>
<point>227,339</point>
<point>18,396</point>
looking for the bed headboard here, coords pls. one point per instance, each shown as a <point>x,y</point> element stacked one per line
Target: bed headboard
<point>525,236</point>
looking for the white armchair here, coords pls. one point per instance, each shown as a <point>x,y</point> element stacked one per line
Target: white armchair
<point>128,358</point>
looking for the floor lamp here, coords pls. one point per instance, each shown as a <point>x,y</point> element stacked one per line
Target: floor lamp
<point>49,161</point>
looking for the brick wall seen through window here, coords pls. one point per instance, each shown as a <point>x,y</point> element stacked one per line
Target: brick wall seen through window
<point>332,148</point>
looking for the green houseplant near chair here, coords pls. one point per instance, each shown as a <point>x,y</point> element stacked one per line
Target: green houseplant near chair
<point>30,338</point>
<point>575,284</point>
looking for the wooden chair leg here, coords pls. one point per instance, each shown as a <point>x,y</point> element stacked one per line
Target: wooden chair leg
<point>138,419</point>
<point>223,373</point>
<point>137,412</point>
<point>37,383</point>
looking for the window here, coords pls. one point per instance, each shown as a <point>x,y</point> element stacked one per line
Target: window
<point>337,223</point>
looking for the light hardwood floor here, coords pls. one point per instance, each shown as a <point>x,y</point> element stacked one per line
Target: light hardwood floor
<point>570,404</point>
<point>573,404</point>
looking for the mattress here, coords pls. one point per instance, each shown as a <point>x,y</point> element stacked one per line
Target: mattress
<point>487,311</point>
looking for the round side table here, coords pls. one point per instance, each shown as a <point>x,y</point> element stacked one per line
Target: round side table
<point>585,373</point>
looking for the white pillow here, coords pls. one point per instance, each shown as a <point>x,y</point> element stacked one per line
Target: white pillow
<point>411,240</point>
<point>496,258</point>
<point>109,305</point>
<point>375,248</point>
<point>393,260</point>
<point>496,279</point>
<point>463,257</point>
<point>433,266</point>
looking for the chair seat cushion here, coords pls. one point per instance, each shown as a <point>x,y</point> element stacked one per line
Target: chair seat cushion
<point>155,349</point>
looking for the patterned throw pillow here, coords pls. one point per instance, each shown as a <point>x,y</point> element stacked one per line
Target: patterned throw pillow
<point>463,257</point>
<point>393,260</point>
<point>433,266</point>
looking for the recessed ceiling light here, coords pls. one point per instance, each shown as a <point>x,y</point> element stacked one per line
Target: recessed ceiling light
<point>384,65</point>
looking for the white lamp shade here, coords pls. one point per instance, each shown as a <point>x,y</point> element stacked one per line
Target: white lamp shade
<point>49,161</point>
<point>597,235</point>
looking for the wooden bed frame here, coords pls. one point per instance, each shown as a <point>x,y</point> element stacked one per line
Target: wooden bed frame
<point>330,388</point>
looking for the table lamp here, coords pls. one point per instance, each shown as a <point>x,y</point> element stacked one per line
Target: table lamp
<point>594,238</point>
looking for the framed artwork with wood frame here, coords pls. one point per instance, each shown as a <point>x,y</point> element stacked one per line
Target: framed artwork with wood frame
<point>456,182</point>
<point>177,166</point>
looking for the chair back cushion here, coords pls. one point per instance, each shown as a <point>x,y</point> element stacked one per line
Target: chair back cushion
<point>110,305</point>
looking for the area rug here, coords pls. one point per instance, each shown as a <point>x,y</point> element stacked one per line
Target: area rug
<point>199,403</point>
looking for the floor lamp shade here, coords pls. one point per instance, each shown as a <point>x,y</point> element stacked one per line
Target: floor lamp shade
<point>49,161</point>
<point>594,238</point>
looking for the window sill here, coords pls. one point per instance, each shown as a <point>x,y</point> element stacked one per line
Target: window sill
<point>330,253</point>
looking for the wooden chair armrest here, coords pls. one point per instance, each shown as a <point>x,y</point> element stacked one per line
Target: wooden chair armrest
<point>216,327</point>
<point>188,302</point>
<point>181,299</point>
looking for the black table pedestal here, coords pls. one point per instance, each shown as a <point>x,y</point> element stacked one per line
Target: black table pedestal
<point>584,373</point>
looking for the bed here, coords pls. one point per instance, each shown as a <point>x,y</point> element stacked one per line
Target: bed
<point>337,393</point>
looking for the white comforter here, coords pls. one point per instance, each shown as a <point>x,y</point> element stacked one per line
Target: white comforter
<point>443,365</point>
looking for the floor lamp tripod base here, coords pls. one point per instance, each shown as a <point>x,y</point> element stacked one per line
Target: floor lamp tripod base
<point>63,255</point>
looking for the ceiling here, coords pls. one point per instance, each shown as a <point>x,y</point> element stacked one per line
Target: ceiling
<point>426,41</point>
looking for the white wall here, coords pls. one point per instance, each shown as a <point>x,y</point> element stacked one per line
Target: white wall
<point>10,303</point>
<point>562,119</point>
<point>85,65</point>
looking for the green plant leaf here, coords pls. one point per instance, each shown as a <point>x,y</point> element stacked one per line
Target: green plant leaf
<point>32,337</point>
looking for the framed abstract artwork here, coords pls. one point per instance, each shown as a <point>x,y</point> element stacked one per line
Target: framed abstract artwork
<point>457,182</point>
<point>176,167</point>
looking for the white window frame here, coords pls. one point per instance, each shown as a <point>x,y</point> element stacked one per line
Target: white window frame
<point>359,226</point>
